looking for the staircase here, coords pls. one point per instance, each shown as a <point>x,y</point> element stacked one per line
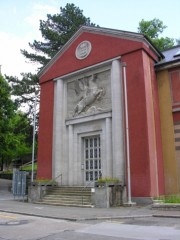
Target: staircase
<point>68,196</point>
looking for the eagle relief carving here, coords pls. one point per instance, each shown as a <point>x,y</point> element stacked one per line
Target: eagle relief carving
<point>88,92</point>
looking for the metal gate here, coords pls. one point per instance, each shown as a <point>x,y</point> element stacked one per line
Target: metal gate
<point>19,183</point>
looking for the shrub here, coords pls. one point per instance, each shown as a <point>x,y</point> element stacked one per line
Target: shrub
<point>108,180</point>
<point>172,199</point>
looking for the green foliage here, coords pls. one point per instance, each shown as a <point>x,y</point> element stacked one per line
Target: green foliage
<point>18,137</point>
<point>169,199</point>
<point>24,89</point>
<point>42,179</point>
<point>172,199</point>
<point>163,43</point>
<point>56,31</point>
<point>6,175</point>
<point>15,128</point>
<point>108,180</point>
<point>29,167</point>
<point>7,108</point>
<point>6,104</point>
<point>7,172</point>
<point>152,29</point>
<point>46,181</point>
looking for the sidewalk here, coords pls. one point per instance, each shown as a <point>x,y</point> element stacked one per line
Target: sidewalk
<point>80,214</point>
<point>11,205</point>
<point>72,213</point>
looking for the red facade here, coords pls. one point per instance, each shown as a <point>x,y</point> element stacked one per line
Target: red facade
<point>143,111</point>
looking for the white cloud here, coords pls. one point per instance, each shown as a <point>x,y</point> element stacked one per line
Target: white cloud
<point>14,10</point>
<point>12,61</point>
<point>39,12</point>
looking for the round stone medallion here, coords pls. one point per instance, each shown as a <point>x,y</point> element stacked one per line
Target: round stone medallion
<point>83,50</point>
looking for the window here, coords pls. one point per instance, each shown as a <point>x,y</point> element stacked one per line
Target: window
<point>92,154</point>
<point>175,87</point>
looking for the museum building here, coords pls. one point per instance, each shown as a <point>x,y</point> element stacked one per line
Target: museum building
<point>110,107</point>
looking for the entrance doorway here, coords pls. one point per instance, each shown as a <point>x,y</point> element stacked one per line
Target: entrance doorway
<point>92,158</point>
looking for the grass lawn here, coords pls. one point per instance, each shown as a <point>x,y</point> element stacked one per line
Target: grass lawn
<point>29,167</point>
<point>169,199</point>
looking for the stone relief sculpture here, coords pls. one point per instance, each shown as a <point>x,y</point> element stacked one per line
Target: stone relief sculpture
<point>89,91</point>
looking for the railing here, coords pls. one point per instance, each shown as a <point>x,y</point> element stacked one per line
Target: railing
<point>28,163</point>
<point>53,180</point>
<point>83,189</point>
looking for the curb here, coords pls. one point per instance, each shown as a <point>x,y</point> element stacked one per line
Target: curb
<point>166,207</point>
<point>77,219</point>
<point>91,218</point>
<point>165,216</point>
<point>41,216</point>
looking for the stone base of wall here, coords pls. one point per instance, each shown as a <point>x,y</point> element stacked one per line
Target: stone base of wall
<point>142,200</point>
<point>166,206</point>
<point>37,191</point>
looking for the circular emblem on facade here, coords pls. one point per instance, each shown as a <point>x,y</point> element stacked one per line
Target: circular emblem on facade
<point>83,50</point>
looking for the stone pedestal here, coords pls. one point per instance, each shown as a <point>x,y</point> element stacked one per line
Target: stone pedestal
<point>102,197</point>
<point>107,195</point>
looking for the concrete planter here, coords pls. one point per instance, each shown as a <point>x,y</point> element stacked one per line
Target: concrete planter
<point>107,194</point>
<point>36,191</point>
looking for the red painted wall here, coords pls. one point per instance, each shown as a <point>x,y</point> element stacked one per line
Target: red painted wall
<point>45,131</point>
<point>146,158</point>
<point>103,48</point>
<point>139,154</point>
<point>176,116</point>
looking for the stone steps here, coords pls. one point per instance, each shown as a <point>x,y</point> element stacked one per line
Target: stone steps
<point>68,196</point>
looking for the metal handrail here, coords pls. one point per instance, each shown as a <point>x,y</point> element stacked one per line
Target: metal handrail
<point>83,189</point>
<point>54,179</point>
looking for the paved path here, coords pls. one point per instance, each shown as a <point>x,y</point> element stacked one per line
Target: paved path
<point>19,227</point>
<point>73,213</point>
<point>9,204</point>
<point>5,189</point>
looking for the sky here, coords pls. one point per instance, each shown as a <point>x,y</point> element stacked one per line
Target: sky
<point>19,23</point>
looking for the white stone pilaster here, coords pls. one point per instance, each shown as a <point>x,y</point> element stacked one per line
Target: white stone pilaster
<point>117,121</point>
<point>109,169</point>
<point>71,155</point>
<point>58,141</point>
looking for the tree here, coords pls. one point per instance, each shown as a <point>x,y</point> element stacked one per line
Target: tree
<point>18,142</point>
<point>152,29</point>
<point>24,90</point>
<point>6,111</point>
<point>56,31</point>
<point>15,128</point>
